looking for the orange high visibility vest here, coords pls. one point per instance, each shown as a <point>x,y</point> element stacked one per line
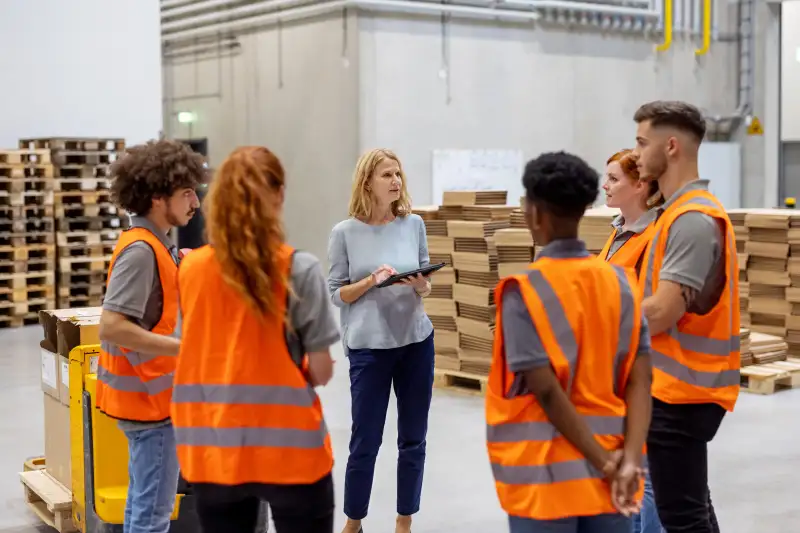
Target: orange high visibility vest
<point>631,253</point>
<point>132,385</point>
<point>242,409</point>
<point>697,359</point>
<point>588,316</point>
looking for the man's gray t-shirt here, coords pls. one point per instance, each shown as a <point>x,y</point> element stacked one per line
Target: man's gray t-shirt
<point>134,290</point>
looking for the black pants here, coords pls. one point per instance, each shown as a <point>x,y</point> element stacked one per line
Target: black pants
<point>295,508</point>
<point>677,455</point>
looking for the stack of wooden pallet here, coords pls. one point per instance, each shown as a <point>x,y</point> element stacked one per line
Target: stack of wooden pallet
<point>439,306</point>
<point>27,252</point>
<point>87,224</point>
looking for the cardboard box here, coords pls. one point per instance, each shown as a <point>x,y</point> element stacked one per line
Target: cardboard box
<point>64,329</point>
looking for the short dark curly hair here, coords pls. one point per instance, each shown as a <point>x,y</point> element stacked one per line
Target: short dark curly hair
<point>154,170</point>
<point>561,183</point>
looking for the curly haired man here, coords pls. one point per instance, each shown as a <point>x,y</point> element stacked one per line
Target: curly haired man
<point>140,323</point>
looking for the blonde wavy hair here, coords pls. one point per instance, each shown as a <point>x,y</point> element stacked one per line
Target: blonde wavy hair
<point>245,229</point>
<point>361,199</point>
<point>628,165</point>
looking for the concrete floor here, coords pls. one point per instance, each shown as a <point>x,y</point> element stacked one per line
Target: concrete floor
<point>755,459</point>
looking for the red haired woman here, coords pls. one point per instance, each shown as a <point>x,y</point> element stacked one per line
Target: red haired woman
<point>257,327</point>
<point>638,203</point>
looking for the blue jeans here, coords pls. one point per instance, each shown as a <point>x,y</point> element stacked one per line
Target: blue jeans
<point>372,374</point>
<point>604,523</point>
<point>647,520</point>
<point>153,471</point>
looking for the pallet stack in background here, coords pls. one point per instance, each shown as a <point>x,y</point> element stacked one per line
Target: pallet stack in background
<point>27,252</point>
<point>741,232</point>
<point>595,227</point>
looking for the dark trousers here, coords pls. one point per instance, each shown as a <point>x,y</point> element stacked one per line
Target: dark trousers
<point>677,454</point>
<point>295,508</point>
<point>372,374</point>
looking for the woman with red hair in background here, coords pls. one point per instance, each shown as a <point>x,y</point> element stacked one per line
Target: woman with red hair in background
<point>257,327</point>
<point>633,229</point>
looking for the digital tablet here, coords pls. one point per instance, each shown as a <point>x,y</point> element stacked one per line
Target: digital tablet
<point>397,278</point>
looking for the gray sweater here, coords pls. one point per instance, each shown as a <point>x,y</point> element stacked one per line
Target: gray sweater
<point>382,318</point>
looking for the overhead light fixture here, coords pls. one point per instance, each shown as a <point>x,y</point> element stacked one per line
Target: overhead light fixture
<point>187,117</point>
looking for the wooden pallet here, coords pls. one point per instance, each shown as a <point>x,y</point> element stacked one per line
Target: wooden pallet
<point>72,172</point>
<point>25,198</point>
<point>26,171</point>
<point>455,380</point>
<point>49,499</point>
<point>25,157</point>
<point>771,377</point>
<point>74,143</point>
<point>75,157</point>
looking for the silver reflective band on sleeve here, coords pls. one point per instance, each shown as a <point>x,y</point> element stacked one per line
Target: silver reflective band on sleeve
<point>241,437</point>
<point>244,394</point>
<point>545,431</point>
<point>709,380</point>
<point>545,474</point>
<point>134,358</point>
<point>562,329</point>
<point>626,323</point>
<point>134,383</point>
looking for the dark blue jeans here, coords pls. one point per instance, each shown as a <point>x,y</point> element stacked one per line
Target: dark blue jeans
<point>372,374</point>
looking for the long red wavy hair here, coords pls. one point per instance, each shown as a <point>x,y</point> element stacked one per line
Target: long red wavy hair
<point>627,162</point>
<point>244,227</point>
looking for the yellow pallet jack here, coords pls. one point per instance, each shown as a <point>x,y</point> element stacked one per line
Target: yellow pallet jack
<point>99,454</point>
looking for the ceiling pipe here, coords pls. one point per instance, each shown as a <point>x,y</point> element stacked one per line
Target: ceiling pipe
<point>408,6</point>
<point>224,15</point>
<point>167,4</point>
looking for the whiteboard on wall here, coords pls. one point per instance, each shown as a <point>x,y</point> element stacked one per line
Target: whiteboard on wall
<point>721,164</point>
<point>477,170</point>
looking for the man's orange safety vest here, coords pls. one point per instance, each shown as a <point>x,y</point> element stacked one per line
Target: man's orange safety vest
<point>242,408</point>
<point>697,360</point>
<point>588,316</point>
<point>132,385</point>
<point>631,253</point>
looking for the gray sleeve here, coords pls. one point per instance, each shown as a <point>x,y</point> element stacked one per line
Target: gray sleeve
<point>339,271</point>
<point>310,310</point>
<point>694,246</point>
<point>524,349</point>
<point>131,282</point>
<point>424,256</point>
<point>644,338</point>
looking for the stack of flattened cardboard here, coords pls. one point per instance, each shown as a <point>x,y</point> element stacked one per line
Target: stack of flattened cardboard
<point>744,347</point>
<point>476,264</point>
<point>767,348</point>
<point>514,251</point>
<point>793,291</point>
<point>517,219</point>
<point>453,202</point>
<point>742,233</point>
<point>596,227</point>
<point>767,248</point>
<point>439,305</point>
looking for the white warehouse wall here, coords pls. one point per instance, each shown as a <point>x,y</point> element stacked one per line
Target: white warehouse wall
<point>790,71</point>
<point>82,68</point>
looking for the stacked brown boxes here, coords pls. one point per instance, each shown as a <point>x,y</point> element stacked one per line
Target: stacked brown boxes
<point>439,305</point>
<point>767,250</point>
<point>27,251</point>
<point>595,227</point>
<point>87,224</point>
<point>476,264</point>
<point>741,232</point>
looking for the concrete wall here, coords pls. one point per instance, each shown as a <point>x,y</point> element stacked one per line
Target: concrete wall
<point>510,86</point>
<point>79,69</point>
<point>790,71</point>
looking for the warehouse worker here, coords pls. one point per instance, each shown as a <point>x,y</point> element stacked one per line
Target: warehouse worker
<point>258,326</point>
<point>635,199</point>
<point>568,399</point>
<point>633,228</point>
<point>690,280</point>
<point>139,327</point>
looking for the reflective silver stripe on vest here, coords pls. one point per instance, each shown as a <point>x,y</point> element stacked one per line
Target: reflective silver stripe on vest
<point>245,394</point>
<point>626,325</point>
<point>562,330</point>
<point>134,358</point>
<point>709,380</point>
<point>134,383</point>
<point>545,474</point>
<point>545,431</point>
<point>706,345</point>
<point>241,437</point>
